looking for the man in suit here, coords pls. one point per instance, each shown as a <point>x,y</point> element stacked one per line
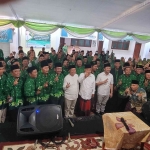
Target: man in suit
<point>116,72</point>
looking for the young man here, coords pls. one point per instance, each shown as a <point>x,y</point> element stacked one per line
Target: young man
<point>50,65</point>
<point>79,67</point>
<point>87,90</point>
<point>71,89</point>
<point>65,67</point>
<point>139,72</point>
<point>3,79</point>
<point>105,83</point>
<point>56,83</point>
<point>137,97</point>
<point>14,91</point>
<point>124,82</point>
<point>30,91</point>
<point>42,83</point>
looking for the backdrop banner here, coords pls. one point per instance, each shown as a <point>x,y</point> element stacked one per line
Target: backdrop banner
<point>37,41</point>
<point>6,36</point>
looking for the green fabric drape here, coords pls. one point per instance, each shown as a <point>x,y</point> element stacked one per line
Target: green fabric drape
<point>40,26</point>
<point>4,22</point>
<point>115,34</point>
<point>79,30</point>
<point>142,37</point>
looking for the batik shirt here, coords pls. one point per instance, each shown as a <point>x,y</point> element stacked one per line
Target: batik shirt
<point>89,58</point>
<point>65,71</point>
<point>40,81</point>
<point>14,91</point>
<point>56,86</point>
<point>3,79</point>
<point>137,98</point>
<point>146,88</point>
<point>30,90</point>
<point>139,76</point>
<point>126,83</point>
<point>79,70</point>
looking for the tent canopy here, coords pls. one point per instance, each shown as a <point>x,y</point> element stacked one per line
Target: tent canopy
<point>119,15</point>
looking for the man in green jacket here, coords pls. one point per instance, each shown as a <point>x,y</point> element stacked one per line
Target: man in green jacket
<point>2,94</point>
<point>56,83</point>
<point>14,91</point>
<point>30,91</point>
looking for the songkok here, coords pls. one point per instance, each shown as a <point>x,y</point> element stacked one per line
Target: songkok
<point>106,61</point>
<point>98,59</point>
<point>135,82</point>
<point>117,60</point>
<point>84,56</point>
<point>87,66</point>
<point>82,51</point>
<point>13,61</point>
<point>13,67</point>
<point>21,51</point>
<point>93,63</point>
<point>25,58</point>
<point>1,59</point>
<point>30,69</point>
<point>71,66</point>
<point>65,59</point>
<point>1,64</point>
<point>58,65</point>
<point>126,64</point>
<point>106,65</point>
<point>78,58</point>
<point>139,66</point>
<point>147,71</point>
<point>96,54</point>
<point>49,61</point>
<point>41,55</point>
<point>44,63</point>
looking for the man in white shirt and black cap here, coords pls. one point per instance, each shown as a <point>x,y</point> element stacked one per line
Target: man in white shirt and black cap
<point>87,90</point>
<point>71,90</point>
<point>104,81</point>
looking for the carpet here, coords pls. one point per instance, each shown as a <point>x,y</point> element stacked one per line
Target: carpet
<point>85,142</point>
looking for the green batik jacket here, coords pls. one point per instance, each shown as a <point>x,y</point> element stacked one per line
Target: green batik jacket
<point>56,86</point>
<point>89,58</point>
<point>126,83</point>
<point>30,91</point>
<point>79,70</point>
<point>65,71</point>
<point>14,91</point>
<point>3,96</point>
<point>137,98</point>
<point>146,88</point>
<point>40,81</point>
<point>139,76</point>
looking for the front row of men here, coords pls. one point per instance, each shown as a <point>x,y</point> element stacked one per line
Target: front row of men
<point>45,88</point>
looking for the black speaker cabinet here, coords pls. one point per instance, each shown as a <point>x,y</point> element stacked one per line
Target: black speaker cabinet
<point>39,119</point>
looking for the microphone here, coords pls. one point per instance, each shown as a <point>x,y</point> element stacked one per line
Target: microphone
<point>125,124</point>
<point>71,123</point>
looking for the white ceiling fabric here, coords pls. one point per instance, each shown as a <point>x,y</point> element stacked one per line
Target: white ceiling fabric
<point>82,13</point>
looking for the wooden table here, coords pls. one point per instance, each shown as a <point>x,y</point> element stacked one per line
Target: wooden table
<point>116,136</point>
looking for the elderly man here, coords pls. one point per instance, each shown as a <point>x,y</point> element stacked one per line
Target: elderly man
<point>137,97</point>
<point>87,90</point>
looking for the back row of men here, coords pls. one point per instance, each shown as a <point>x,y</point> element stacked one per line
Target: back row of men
<point>26,81</point>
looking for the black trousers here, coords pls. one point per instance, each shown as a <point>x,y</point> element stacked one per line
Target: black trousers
<point>13,115</point>
<point>122,102</point>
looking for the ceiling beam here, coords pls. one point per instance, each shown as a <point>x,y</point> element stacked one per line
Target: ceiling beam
<point>127,13</point>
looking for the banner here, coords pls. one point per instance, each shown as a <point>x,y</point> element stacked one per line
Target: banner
<point>6,36</point>
<point>37,41</point>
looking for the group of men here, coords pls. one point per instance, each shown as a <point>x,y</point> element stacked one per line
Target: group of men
<point>78,82</point>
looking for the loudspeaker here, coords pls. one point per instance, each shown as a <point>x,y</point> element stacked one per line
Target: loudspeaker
<point>146,110</point>
<point>39,119</point>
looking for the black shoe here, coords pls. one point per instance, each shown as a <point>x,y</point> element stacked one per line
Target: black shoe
<point>102,113</point>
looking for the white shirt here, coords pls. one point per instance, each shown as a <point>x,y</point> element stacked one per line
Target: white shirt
<point>104,89</point>
<point>71,93</point>
<point>87,86</point>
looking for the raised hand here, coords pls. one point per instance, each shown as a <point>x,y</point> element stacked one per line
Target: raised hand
<point>16,81</point>
<point>86,74</point>
<point>56,79</point>
<point>68,85</point>
<point>120,82</point>
<point>46,84</point>
<point>146,83</point>
<point>105,81</point>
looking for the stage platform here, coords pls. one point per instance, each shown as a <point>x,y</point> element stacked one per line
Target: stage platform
<point>82,126</point>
